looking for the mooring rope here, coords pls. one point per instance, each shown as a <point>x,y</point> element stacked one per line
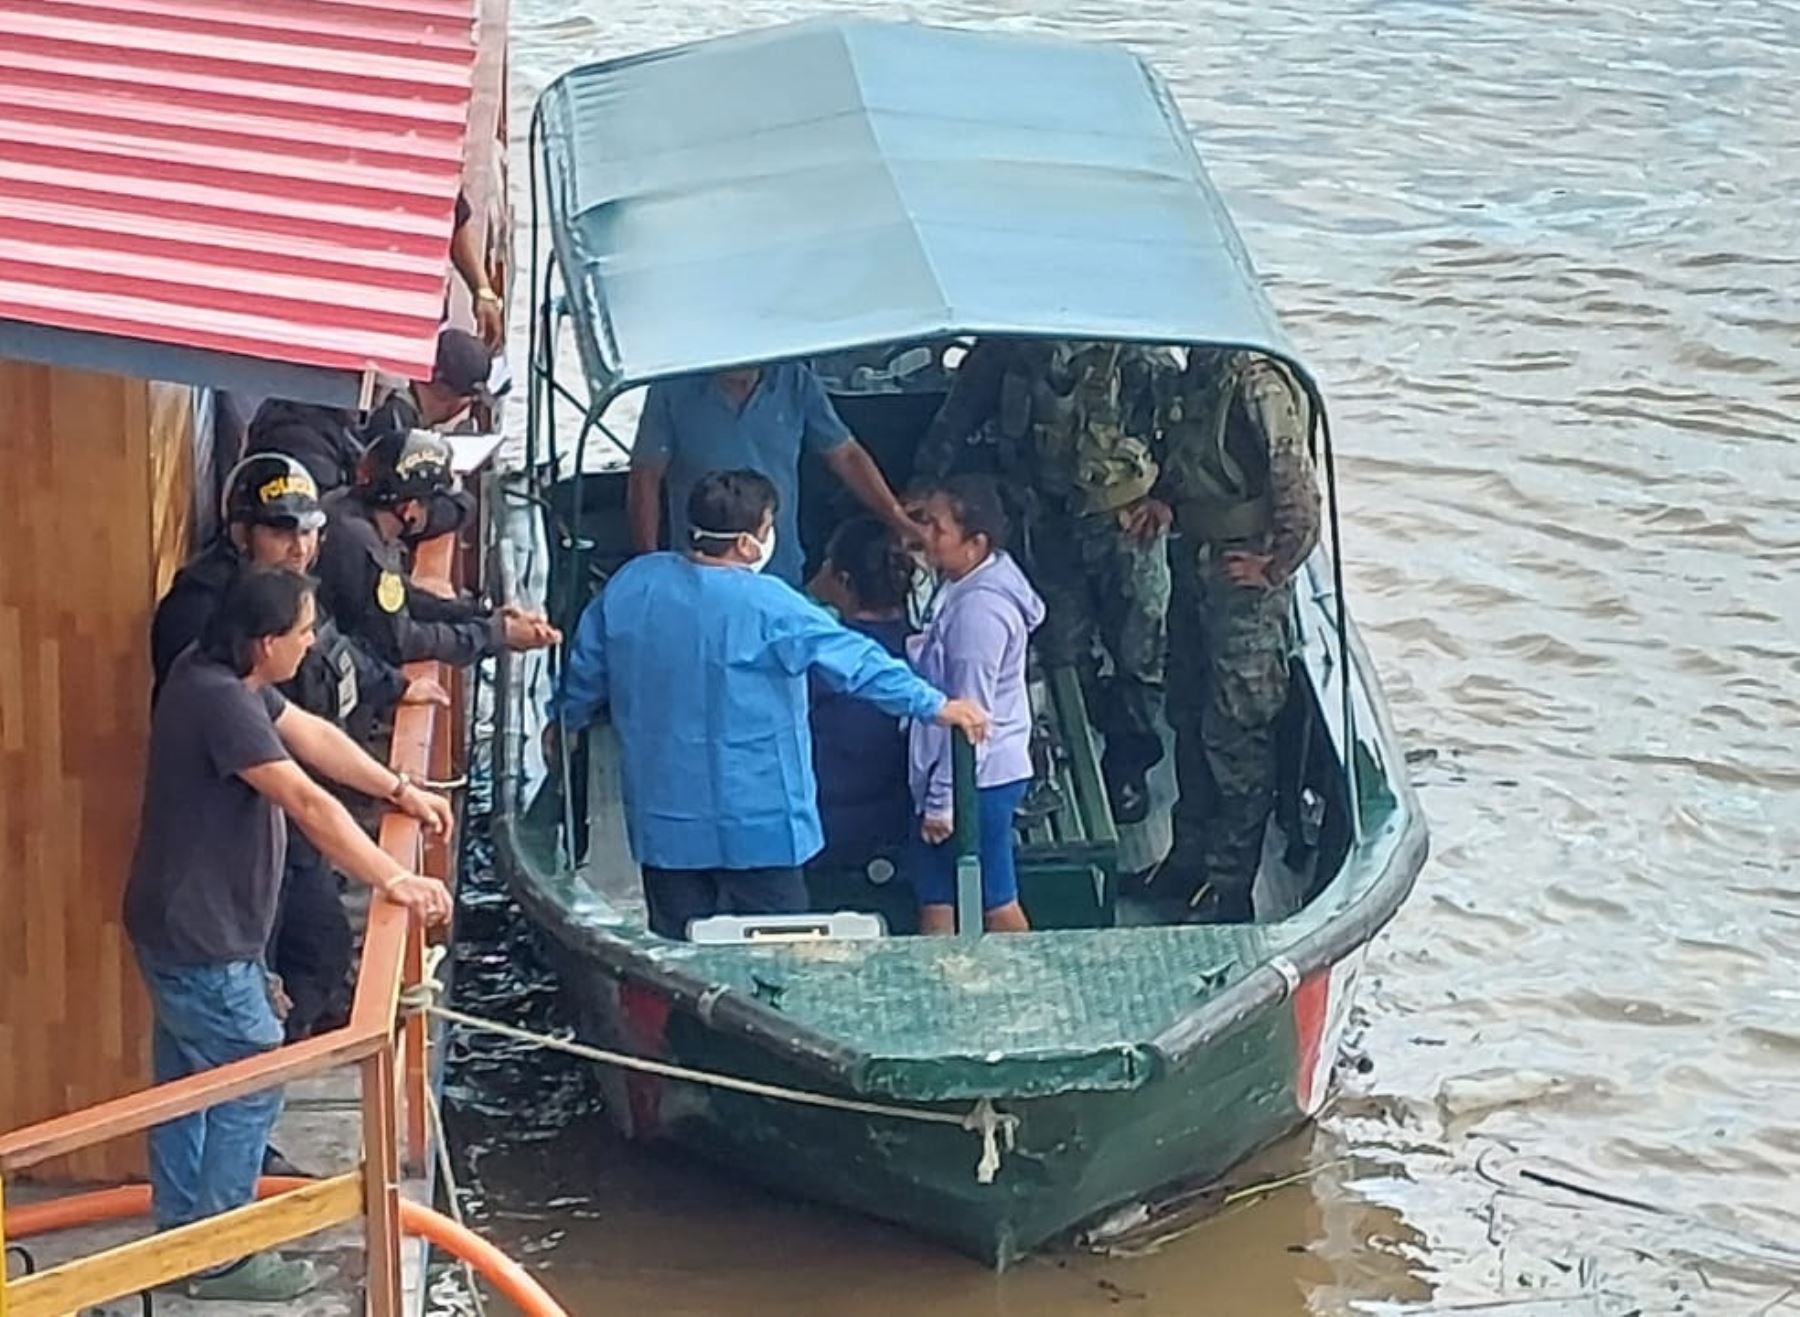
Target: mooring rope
<point>996,1129</point>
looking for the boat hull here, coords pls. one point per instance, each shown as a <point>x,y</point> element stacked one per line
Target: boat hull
<point>1073,1155</point>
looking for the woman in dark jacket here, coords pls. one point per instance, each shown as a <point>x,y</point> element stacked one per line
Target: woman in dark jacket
<point>859,752</point>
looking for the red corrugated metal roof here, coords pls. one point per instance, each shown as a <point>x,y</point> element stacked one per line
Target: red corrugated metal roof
<point>273,178</point>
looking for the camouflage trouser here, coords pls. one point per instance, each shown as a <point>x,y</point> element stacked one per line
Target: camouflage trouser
<point>1231,646</point>
<point>1099,583</point>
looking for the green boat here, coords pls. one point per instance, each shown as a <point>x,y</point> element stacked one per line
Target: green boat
<point>870,197</point>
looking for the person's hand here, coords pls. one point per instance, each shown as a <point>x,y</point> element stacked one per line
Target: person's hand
<point>527,630</point>
<point>906,526</point>
<point>425,690</point>
<point>490,320</point>
<point>971,718</point>
<point>1250,570</point>
<point>430,809</point>
<point>1147,518</point>
<point>425,897</point>
<point>937,828</point>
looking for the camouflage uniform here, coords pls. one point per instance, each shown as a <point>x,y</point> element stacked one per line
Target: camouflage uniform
<point>1070,422</point>
<point>1237,469</point>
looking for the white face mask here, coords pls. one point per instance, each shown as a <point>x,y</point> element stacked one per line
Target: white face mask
<point>765,550</point>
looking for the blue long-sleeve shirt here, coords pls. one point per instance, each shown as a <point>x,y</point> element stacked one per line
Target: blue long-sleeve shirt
<point>704,672</point>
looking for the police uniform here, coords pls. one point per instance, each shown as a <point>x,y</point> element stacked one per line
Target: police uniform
<point>1071,425</point>
<point>362,580</point>
<point>1237,469</point>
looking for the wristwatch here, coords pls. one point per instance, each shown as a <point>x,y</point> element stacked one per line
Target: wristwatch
<point>401,782</point>
<point>489,295</point>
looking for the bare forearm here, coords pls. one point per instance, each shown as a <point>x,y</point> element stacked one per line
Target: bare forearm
<point>863,478</point>
<point>465,255</point>
<point>330,827</point>
<point>324,748</point>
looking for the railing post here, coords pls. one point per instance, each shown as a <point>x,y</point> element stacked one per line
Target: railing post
<point>381,1185</point>
<point>414,1071</point>
<point>967,837</point>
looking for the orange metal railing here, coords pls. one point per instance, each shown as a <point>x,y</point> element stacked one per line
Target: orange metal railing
<point>390,1051</point>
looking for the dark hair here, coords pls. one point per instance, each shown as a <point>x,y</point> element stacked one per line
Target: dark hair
<point>729,504</point>
<point>259,603</point>
<point>871,555</point>
<point>975,502</point>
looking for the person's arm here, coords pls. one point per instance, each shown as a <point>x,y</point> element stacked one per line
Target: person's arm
<point>330,827</point>
<point>471,265</point>
<point>850,462</point>
<point>583,688</point>
<point>809,640</point>
<point>652,450</point>
<point>1276,406</point>
<point>324,748</point>
<point>643,504</point>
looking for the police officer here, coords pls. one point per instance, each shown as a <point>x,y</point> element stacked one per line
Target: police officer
<point>1071,423</point>
<point>362,566</point>
<point>272,518</point>
<point>1237,474</point>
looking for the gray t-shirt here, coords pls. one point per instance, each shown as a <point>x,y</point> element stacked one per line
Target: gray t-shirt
<point>210,849</point>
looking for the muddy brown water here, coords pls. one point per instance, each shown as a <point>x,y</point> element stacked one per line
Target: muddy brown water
<point>1546,260</point>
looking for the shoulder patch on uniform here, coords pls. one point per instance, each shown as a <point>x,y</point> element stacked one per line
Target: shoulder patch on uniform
<point>390,592</point>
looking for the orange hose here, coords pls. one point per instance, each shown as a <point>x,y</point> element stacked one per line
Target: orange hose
<point>507,1276</point>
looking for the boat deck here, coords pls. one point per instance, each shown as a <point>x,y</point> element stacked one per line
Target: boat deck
<point>1079,1006</point>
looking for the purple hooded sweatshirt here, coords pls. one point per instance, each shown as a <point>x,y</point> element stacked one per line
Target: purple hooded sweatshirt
<point>974,649</point>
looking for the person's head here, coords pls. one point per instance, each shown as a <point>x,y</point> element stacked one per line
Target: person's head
<point>867,571</point>
<point>731,518</point>
<point>459,379</point>
<point>401,472</point>
<point>263,626</point>
<point>963,522</point>
<point>271,511</point>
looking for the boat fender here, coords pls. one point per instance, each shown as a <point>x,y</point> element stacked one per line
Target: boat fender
<point>1290,975</point>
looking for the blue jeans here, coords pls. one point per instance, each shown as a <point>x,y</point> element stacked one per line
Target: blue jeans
<point>206,1016</point>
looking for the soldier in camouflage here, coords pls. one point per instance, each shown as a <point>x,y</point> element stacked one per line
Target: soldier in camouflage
<point>1237,473</point>
<point>1071,424</point>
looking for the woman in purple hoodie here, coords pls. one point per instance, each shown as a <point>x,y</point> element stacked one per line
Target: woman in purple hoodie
<point>974,648</point>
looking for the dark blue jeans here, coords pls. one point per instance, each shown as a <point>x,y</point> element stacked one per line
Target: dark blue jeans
<point>206,1016</point>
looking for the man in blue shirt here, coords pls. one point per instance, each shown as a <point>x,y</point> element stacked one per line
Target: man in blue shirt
<point>761,419</point>
<point>703,664</point>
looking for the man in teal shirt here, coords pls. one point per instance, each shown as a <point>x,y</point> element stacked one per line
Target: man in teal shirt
<point>702,663</point>
<point>761,419</point>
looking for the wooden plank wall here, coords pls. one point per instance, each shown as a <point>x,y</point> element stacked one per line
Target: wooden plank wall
<point>97,503</point>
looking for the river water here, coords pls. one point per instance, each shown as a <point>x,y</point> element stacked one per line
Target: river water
<point>1545,258</point>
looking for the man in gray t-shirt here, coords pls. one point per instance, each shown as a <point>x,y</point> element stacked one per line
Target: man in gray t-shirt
<point>205,878</point>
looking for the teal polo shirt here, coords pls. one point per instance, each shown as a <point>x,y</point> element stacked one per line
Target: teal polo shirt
<point>693,428</point>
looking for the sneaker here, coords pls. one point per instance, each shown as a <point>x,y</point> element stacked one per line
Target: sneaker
<point>259,1278</point>
<point>276,1164</point>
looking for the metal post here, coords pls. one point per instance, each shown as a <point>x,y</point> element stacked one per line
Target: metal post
<point>967,836</point>
<point>381,1185</point>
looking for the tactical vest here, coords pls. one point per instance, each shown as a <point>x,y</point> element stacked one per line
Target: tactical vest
<point>1219,473</point>
<point>1060,408</point>
<point>326,683</point>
